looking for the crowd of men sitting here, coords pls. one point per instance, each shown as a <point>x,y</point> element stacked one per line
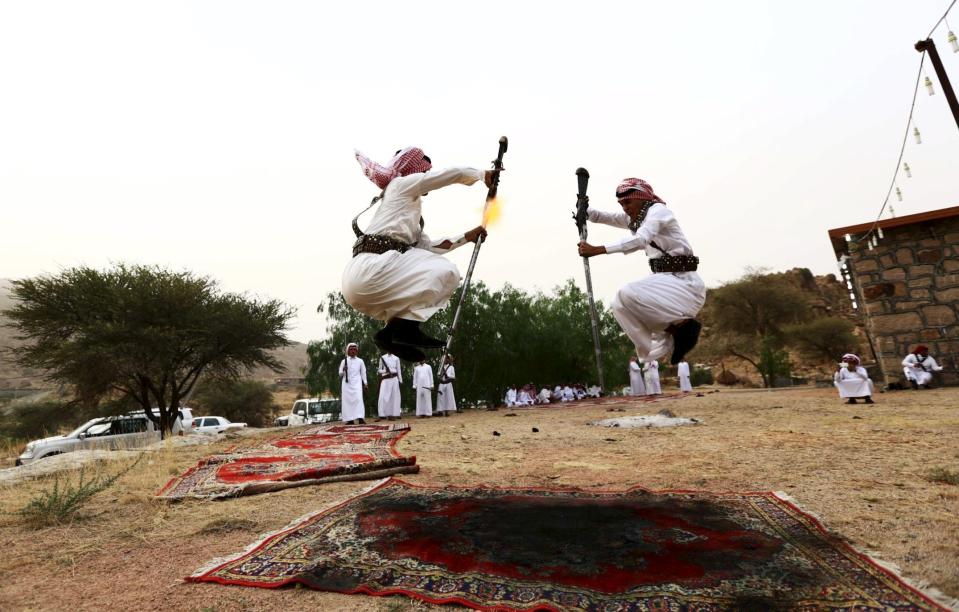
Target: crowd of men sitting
<point>527,395</point>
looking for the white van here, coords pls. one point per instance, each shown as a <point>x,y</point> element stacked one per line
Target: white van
<point>132,430</point>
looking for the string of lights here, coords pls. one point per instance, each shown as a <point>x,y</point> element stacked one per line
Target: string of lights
<point>875,232</point>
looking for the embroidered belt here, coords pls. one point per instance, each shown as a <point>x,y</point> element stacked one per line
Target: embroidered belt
<point>674,263</point>
<point>373,243</point>
<point>385,376</point>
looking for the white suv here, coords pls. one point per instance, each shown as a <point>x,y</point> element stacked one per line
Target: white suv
<point>131,430</point>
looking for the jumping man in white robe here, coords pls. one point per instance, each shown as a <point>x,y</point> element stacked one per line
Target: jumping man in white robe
<point>652,371</point>
<point>390,379</point>
<point>656,312</point>
<point>918,367</point>
<point>445,400</point>
<point>352,385</point>
<point>423,384</point>
<point>397,273</point>
<point>636,384</point>
<point>852,380</point>
<point>682,371</point>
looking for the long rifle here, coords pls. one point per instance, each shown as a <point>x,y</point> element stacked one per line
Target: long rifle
<point>582,205</point>
<point>490,196</point>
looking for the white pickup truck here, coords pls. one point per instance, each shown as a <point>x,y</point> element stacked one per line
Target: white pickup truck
<point>310,411</point>
<point>131,430</point>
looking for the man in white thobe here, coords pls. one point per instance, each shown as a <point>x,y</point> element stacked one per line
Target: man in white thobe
<point>390,379</point>
<point>656,312</point>
<point>918,367</point>
<point>852,380</point>
<point>423,384</point>
<point>397,273</point>
<point>523,398</point>
<point>652,372</point>
<point>557,394</point>
<point>543,396</point>
<point>568,395</point>
<point>511,397</point>
<point>445,400</point>
<point>636,384</point>
<point>682,371</point>
<point>352,385</point>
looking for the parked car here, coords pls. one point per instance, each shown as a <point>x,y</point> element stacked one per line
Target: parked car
<point>215,425</point>
<point>131,430</point>
<point>310,411</point>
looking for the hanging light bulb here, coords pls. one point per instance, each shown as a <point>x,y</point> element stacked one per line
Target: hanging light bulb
<point>879,231</point>
<point>892,211</point>
<point>952,41</point>
<point>898,194</point>
<point>907,170</point>
<point>915,132</point>
<point>848,238</point>
<point>929,88</point>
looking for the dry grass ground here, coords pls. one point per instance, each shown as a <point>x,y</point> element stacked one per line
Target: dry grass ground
<point>865,477</point>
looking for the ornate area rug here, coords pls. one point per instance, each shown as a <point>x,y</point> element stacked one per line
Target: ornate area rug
<point>328,453</point>
<point>533,549</point>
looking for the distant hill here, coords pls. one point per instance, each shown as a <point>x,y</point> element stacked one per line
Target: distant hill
<point>13,376</point>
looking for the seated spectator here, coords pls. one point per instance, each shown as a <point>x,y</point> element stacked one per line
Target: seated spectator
<point>579,392</point>
<point>568,395</point>
<point>524,398</point>
<point>511,397</point>
<point>918,367</point>
<point>543,396</point>
<point>594,391</point>
<point>557,395</point>
<point>852,380</point>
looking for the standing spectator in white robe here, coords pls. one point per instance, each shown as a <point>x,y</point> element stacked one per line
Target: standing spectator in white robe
<point>918,367</point>
<point>352,385</point>
<point>511,396</point>
<point>445,400</point>
<point>397,273</point>
<point>852,380</point>
<point>423,385</point>
<point>543,397</point>
<point>656,312</point>
<point>636,384</point>
<point>682,371</point>
<point>652,370</point>
<point>388,406</point>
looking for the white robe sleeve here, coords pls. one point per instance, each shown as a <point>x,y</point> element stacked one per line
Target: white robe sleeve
<point>399,371</point>
<point>342,368</point>
<point>450,373</point>
<point>619,219</point>
<point>425,242</point>
<point>657,217</point>
<point>933,365</point>
<point>362,371</point>
<point>421,183</point>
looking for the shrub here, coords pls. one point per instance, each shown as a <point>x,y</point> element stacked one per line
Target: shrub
<point>246,401</point>
<point>727,378</point>
<point>700,376</point>
<point>36,419</point>
<point>62,502</point>
<point>943,475</point>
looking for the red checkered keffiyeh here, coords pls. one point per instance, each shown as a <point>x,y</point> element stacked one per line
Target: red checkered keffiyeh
<point>849,357</point>
<point>408,161</point>
<point>634,188</point>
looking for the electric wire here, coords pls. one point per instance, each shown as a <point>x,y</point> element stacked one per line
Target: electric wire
<point>941,19</point>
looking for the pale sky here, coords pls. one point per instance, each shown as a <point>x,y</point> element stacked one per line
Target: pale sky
<point>218,136</point>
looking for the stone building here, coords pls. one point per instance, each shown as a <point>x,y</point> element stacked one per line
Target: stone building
<point>906,285</point>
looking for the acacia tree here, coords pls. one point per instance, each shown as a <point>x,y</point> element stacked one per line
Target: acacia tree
<point>141,334</point>
<point>747,319</point>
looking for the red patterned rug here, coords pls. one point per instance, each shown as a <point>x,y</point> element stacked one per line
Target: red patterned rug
<point>311,456</point>
<point>534,549</point>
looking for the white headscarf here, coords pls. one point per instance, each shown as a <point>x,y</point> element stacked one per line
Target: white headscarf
<point>351,344</point>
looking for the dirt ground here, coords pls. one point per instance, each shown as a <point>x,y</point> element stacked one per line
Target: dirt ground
<point>861,469</point>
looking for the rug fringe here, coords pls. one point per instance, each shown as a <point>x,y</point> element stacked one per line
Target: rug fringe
<point>923,586</point>
<point>214,563</point>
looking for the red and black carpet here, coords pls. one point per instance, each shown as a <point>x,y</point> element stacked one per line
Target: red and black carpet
<point>312,456</point>
<point>532,549</point>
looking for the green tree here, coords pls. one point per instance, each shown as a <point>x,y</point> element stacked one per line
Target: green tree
<point>240,401</point>
<point>505,337</point>
<point>825,339</point>
<point>141,334</point>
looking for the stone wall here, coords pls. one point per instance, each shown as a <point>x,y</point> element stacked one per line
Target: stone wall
<point>909,290</point>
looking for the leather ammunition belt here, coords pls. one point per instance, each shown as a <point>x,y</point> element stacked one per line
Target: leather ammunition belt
<point>385,376</point>
<point>674,263</point>
<point>373,243</point>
